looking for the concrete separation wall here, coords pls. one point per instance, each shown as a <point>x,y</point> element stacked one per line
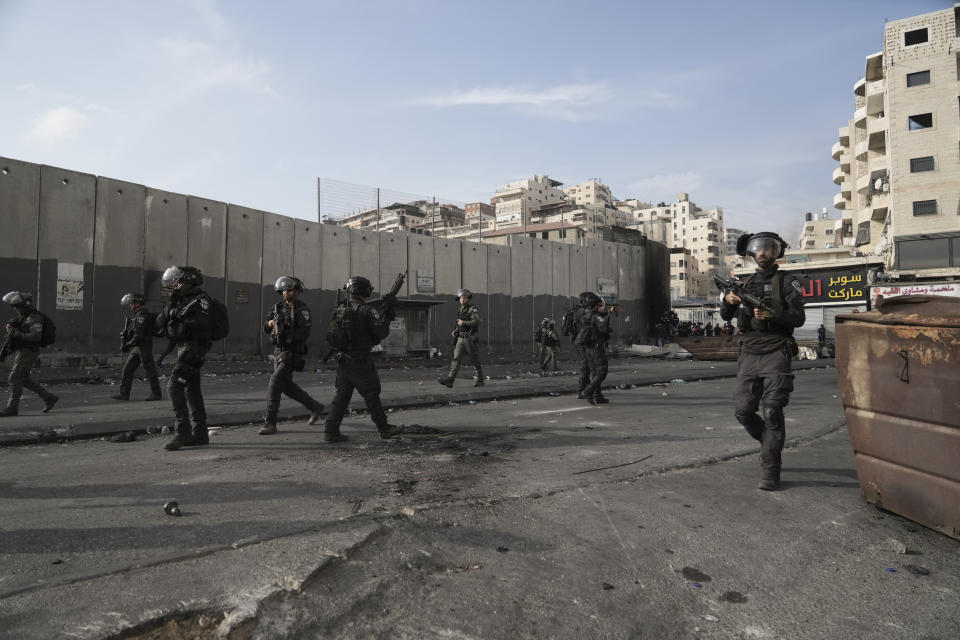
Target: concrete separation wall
<point>80,242</point>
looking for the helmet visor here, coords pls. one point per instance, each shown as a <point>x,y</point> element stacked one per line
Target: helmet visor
<point>768,245</point>
<point>171,276</point>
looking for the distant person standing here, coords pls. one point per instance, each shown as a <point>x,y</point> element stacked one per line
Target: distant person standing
<point>821,336</point>
<point>137,341</point>
<point>466,337</point>
<point>25,336</point>
<point>289,325</point>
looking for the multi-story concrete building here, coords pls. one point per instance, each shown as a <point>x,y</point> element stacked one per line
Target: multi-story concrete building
<point>515,201</point>
<point>818,232</point>
<point>730,259</point>
<point>899,165</point>
<point>686,281</point>
<point>684,225</point>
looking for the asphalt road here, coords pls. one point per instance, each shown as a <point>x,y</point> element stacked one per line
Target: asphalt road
<point>536,517</point>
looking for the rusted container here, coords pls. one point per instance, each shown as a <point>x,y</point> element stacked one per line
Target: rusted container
<point>899,375</point>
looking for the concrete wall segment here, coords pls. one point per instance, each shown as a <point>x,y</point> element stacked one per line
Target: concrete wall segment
<point>207,236</point>
<point>365,255</point>
<point>20,211</point>
<point>335,252</point>
<point>243,293</point>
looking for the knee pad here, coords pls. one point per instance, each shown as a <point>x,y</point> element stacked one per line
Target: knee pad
<point>773,416</point>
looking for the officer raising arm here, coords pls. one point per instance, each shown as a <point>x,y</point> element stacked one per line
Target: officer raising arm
<point>764,374</point>
<point>355,328</point>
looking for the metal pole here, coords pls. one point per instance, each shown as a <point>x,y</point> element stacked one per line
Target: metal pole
<point>378,210</point>
<point>480,226</point>
<point>433,218</point>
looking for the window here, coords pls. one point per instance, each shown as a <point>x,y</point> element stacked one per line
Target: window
<point>918,78</point>
<point>921,164</point>
<point>863,234</point>
<point>923,254</point>
<point>920,121</point>
<point>924,207</point>
<point>917,36</point>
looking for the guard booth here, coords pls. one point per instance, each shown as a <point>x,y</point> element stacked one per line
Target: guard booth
<point>409,331</point>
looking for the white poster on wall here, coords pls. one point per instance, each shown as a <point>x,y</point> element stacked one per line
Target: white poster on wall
<point>70,286</point>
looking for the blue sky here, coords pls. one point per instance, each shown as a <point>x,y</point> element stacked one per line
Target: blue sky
<point>737,103</point>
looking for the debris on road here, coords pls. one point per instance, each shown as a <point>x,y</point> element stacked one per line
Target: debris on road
<point>625,464</point>
<point>172,508</point>
<point>126,436</point>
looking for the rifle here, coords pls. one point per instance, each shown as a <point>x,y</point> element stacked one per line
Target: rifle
<point>389,301</point>
<point>736,287</point>
<point>7,347</point>
<point>125,336</point>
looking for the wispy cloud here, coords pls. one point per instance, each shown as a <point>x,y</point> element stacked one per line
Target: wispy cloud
<point>57,125</point>
<point>568,101</point>
<point>667,185</point>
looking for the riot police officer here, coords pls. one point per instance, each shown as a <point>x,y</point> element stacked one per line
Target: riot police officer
<point>360,326</point>
<point>764,377</point>
<point>137,341</point>
<point>592,324</point>
<point>289,325</point>
<point>24,334</point>
<point>187,320</point>
<point>466,339</point>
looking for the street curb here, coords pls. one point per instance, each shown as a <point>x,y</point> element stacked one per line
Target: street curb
<point>428,399</point>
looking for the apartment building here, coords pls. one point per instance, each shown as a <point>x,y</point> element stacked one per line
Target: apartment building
<point>684,225</point>
<point>686,280</point>
<point>515,201</point>
<point>818,232</point>
<point>731,260</point>
<point>899,172</point>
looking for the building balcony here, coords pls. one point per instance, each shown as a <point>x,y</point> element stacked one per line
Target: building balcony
<point>874,67</point>
<point>845,189</point>
<point>860,151</point>
<point>860,87</point>
<point>860,117</point>
<point>838,175</point>
<point>845,162</point>
<point>836,150</point>
<point>879,203</point>
<point>875,97</point>
<point>863,183</point>
<point>877,134</point>
<point>843,134</point>
<point>839,201</point>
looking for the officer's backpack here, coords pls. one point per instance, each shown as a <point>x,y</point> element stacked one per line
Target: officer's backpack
<point>219,320</point>
<point>49,334</point>
<point>538,334</point>
<point>568,322</point>
<point>343,322</point>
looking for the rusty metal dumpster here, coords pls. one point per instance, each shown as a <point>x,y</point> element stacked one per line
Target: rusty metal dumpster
<point>899,375</point>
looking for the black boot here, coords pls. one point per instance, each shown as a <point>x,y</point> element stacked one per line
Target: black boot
<point>599,399</point>
<point>179,441</point>
<point>48,402</point>
<point>200,435</point>
<point>9,411</point>
<point>120,396</point>
<point>269,428</point>
<point>446,381</point>
<point>771,479</point>
<point>334,436</point>
<point>315,414</point>
<point>389,431</point>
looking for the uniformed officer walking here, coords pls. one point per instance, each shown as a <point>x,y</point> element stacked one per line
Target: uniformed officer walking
<point>548,340</point>
<point>188,321</point>
<point>137,341</point>
<point>24,334</point>
<point>764,374</point>
<point>289,325</point>
<point>592,324</point>
<point>466,338</point>
<point>360,327</point>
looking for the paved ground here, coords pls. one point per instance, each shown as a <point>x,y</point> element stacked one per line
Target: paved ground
<point>525,517</point>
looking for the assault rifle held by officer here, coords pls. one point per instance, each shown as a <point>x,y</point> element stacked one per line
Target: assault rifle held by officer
<point>736,287</point>
<point>385,305</point>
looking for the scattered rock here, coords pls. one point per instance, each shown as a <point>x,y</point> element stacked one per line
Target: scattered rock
<point>917,571</point>
<point>897,546</point>
<point>502,549</point>
<point>126,436</point>
<point>607,586</point>
<point>172,508</point>
<point>734,597</point>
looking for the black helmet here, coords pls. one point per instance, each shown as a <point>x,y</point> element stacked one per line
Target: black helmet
<point>546,322</point>
<point>749,243</point>
<point>186,277</point>
<point>286,283</point>
<point>464,292</point>
<point>18,299</point>
<point>132,298</point>
<point>589,299</point>
<point>358,286</point>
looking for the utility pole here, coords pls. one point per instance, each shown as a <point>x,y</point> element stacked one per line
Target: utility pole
<point>378,209</point>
